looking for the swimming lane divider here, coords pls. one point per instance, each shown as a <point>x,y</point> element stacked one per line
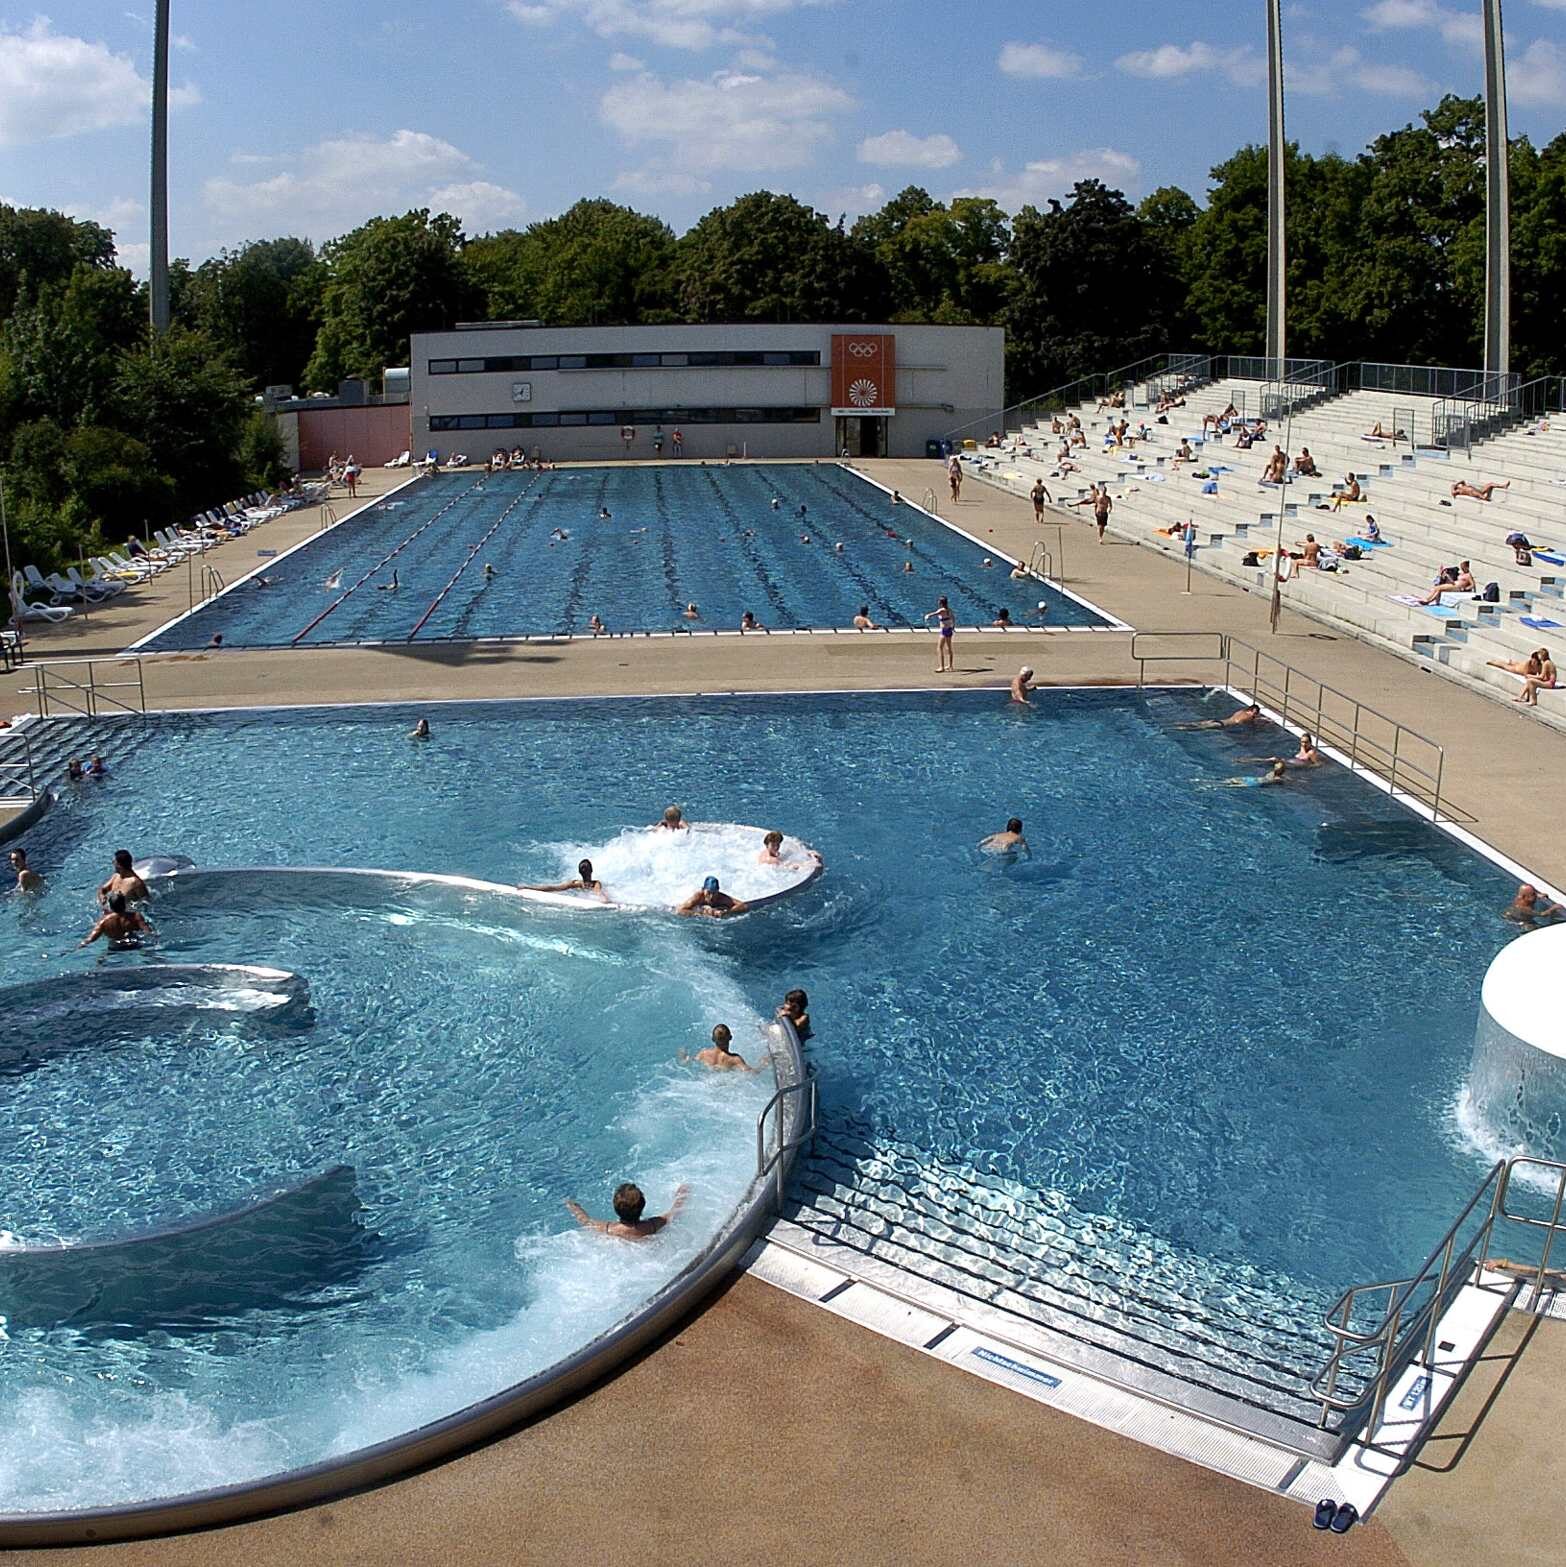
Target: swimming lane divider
<point>298,636</point>
<point>435,602</point>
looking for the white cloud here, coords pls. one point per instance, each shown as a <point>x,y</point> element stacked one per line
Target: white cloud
<point>1456,27</point>
<point>852,200</point>
<point>1537,76</point>
<point>1391,81</point>
<point>338,183</point>
<point>185,42</point>
<point>902,150</point>
<point>1551,5</point>
<point>1036,182</point>
<point>651,180</point>
<point>620,61</point>
<point>675,24</point>
<point>53,85</point>
<point>732,120</point>
<point>482,206</point>
<point>1039,60</point>
<point>1243,66</point>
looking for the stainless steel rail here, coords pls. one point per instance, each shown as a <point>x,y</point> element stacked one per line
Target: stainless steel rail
<point>1409,763</point>
<point>18,777</point>
<point>86,695</point>
<point>789,1138</point>
<point>1406,1330</point>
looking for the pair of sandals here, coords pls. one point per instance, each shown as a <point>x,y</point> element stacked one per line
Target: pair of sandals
<point>1339,1517</point>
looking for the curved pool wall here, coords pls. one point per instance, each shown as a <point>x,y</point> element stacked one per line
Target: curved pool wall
<point>1518,1082</point>
<point>441,1438</point>
<point>28,818</point>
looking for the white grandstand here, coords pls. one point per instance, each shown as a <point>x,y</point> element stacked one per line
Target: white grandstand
<point>1406,483</point>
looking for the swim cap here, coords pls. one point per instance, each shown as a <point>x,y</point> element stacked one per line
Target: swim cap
<point>1027,669</point>
<point>710,885</point>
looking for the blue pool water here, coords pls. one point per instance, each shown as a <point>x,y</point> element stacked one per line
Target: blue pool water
<point>675,536</point>
<point>1223,1028</point>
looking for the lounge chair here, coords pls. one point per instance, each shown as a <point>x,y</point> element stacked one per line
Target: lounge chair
<point>400,462</point>
<point>22,610</point>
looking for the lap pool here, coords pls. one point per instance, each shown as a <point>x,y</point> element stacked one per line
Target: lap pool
<point>1203,1051</point>
<point>674,536</point>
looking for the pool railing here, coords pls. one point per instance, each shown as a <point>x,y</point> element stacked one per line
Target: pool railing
<point>86,692</point>
<point>1409,763</point>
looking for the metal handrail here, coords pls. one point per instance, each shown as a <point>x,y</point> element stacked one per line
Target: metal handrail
<point>48,683</point>
<point>1419,777</point>
<point>804,1130</point>
<point>930,502</point>
<point>1396,1339</point>
<point>23,770</point>
<point>1089,385</point>
<point>1040,562</point>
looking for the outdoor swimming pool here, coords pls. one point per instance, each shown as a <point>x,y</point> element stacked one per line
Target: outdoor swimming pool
<point>675,536</point>
<point>1224,1031</point>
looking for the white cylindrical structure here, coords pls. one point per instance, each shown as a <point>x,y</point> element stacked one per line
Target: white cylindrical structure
<point>1518,1081</point>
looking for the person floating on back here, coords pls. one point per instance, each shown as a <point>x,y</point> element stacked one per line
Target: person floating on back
<point>629,1204</point>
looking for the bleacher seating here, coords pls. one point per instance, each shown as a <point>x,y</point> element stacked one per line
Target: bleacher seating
<point>1406,487</point>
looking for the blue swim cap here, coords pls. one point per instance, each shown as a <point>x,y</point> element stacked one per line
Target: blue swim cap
<point>710,885</point>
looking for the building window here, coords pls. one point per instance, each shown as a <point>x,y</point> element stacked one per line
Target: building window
<point>605,417</point>
<point>707,359</point>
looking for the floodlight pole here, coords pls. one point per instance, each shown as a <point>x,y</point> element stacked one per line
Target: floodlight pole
<point>1277,150</point>
<point>159,282</point>
<point>10,575</point>
<point>1497,189</point>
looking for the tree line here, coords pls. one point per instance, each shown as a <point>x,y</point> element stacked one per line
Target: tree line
<point>103,427</point>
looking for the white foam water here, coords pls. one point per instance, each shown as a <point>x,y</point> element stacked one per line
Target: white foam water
<point>646,867</point>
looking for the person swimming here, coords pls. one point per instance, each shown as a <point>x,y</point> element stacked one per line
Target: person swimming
<point>719,1055</point>
<point>420,731</point>
<point>27,879</point>
<point>796,1008</point>
<point>1240,720</point>
<point>584,881</point>
<point>559,535</point>
<point>1276,774</point>
<point>863,622</point>
<point>389,587</point>
<point>673,820</point>
<point>334,581</point>
<point>597,627</point>
<point>629,1205</point>
<point>711,901</point>
<point>1528,908</point>
<point>770,845</point>
<point>1008,841</point>
<point>489,571</point>
<point>121,925</point>
<point>748,622</point>
<point>1021,684</point>
<point>1002,619</point>
<point>604,514</point>
<point>691,612</point>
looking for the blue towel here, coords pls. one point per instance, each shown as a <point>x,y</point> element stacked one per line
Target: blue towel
<point>1539,623</point>
<point>1440,612</point>
<point>1368,544</point>
<point>1554,560</point>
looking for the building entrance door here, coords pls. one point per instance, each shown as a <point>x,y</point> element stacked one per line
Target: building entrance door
<point>861,436</point>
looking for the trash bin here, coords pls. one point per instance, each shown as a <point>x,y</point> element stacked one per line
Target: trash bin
<point>935,448</point>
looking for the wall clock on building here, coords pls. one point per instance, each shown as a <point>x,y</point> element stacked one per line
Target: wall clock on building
<point>521,391</point>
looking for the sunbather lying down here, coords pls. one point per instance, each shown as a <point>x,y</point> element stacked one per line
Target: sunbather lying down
<point>1379,432</point>
<point>1480,492</point>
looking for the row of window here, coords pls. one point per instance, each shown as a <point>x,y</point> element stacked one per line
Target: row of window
<point>716,359</point>
<point>625,416</point>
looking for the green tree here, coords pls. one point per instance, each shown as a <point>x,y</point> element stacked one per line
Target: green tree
<point>597,264</point>
<point>262,462</point>
<point>62,349</point>
<point>945,263</point>
<point>39,247</point>
<point>766,257</point>
<point>1094,289</point>
<point>383,282</point>
<point>114,483</point>
<point>180,397</point>
<point>262,302</point>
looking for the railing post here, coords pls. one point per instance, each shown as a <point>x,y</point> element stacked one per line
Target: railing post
<point>1378,1401</point>
<point>1549,1239</point>
<point>41,691</point>
<point>1397,736</point>
<point>1435,1307</point>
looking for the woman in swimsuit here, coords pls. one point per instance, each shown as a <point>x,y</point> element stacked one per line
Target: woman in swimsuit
<point>1543,681</point>
<point>947,623</point>
<point>1523,666</point>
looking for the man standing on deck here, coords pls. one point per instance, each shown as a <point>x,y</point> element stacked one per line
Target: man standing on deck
<point>1102,506</point>
<point>1038,495</point>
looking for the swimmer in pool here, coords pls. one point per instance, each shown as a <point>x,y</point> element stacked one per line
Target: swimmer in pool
<point>748,622</point>
<point>673,820</point>
<point>1276,774</point>
<point>585,882</point>
<point>692,612</point>
<point>334,581</point>
<point>1306,756</point>
<point>769,854</point>
<point>559,534</point>
<point>1240,720</point>
<point>27,879</point>
<point>718,1055</point>
<point>603,514</point>
<point>907,568</point>
<point>946,624</point>
<point>597,627</point>
<point>776,503</point>
<point>1021,684</point>
<point>389,587</point>
<point>1002,619</point>
<point>796,1008</point>
<point>1010,841</point>
<point>629,1205</point>
<point>489,571</point>
<point>74,770</point>
<point>838,547</point>
<point>121,926</point>
<point>420,731</point>
<point>863,622</point>
<point>97,767</point>
<point>1019,572</point>
<point>1528,909</point>
<point>123,881</point>
<point>710,901</point>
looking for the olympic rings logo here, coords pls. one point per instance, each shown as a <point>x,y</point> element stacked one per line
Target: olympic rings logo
<point>864,350</point>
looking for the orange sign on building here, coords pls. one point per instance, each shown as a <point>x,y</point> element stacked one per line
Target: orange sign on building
<point>864,373</point>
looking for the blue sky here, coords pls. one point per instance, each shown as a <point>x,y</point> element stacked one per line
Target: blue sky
<point>307,118</point>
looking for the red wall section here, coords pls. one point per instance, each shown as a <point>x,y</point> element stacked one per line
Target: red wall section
<point>374,434</point>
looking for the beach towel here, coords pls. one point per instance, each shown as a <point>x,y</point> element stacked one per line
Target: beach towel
<point>1554,560</point>
<point>1368,544</point>
<point>1440,611</point>
<point>1539,623</point>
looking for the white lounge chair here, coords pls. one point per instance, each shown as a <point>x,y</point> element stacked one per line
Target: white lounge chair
<point>22,610</point>
<point>400,462</point>
<point>93,588</point>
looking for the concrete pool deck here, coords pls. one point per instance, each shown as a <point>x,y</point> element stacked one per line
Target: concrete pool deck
<point>767,1428</point>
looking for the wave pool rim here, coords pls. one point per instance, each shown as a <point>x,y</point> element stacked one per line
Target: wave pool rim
<point>464,1428</point>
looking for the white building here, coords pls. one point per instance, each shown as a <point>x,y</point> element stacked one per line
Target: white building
<point>576,393</point>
